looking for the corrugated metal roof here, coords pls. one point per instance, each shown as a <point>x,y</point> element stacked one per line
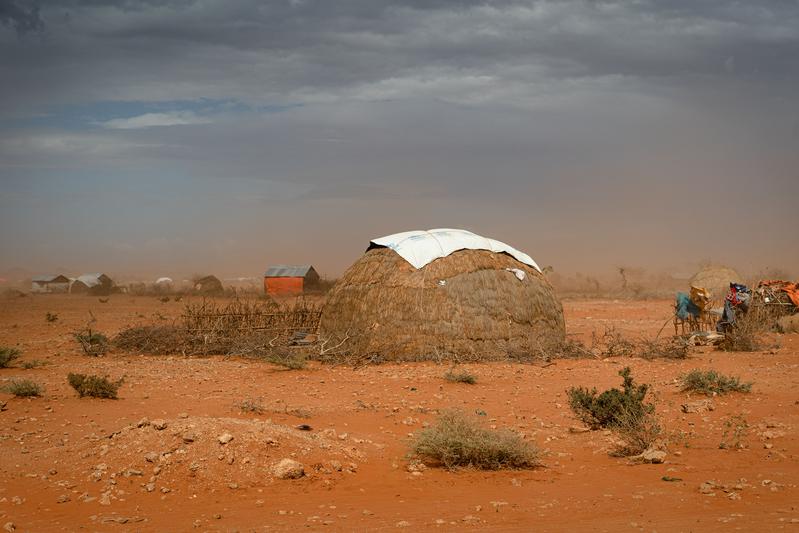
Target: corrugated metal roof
<point>91,280</point>
<point>47,278</point>
<point>287,271</point>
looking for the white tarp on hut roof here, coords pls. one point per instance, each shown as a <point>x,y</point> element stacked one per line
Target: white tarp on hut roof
<point>421,247</point>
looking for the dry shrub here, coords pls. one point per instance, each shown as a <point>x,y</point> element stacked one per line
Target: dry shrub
<point>711,382</point>
<point>92,342</point>
<point>458,441</point>
<point>24,388</point>
<point>94,386</point>
<point>673,348</point>
<point>33,363</point>
<point>460,376</point>
<point>7,356</point>
<point>164,340</point>
<point>252,405</point>
<point>612,343</point>
<point>637,431</point>
<point>746,335</point>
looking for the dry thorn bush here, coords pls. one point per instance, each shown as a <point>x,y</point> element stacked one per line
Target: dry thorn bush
<point>456,440</point>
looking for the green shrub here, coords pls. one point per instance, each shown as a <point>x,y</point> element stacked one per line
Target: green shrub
<point>460,376</point>
<point>24,388</point>
<point>607,409</point>
<point>92,342</point>
<point>457,441</point>
<point>94,386</point>
<point>7,356</point>
<point>711,382</point>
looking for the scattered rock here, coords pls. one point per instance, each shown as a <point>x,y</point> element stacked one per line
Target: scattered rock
<point>699,406</point>
<point>225,438</point>
<point>654,456</point>
<point>159,424</point>
<point>143,423</point>
<point>189,437</point>
<point>336,465</point>
<point>288,469</point>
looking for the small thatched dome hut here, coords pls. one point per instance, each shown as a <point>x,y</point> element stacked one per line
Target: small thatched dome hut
<point>442,294</point>
<point>717,279</point>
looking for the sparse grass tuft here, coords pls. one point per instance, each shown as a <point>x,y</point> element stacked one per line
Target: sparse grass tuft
<point>458,441</point>
<point>24,388</point>
<point>460,376</point>
<point>252,405</point>
<point>92,342</point>
<point>736,429</point>
<point>711,382</point>
<point>94,386</point>
<point>612,407</point>
<point>7,356</point>
<point>638,431</point>
<point>34,363</point>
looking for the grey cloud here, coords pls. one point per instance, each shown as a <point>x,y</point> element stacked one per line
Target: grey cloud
<point>20,16</point>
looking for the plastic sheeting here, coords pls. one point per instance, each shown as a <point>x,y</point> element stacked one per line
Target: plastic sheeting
<point>421,247</point>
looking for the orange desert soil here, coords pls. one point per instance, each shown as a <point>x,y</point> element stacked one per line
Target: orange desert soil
<point>71,464</point>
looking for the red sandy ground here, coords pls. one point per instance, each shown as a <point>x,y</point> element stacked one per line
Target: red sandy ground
<point>59,470</point>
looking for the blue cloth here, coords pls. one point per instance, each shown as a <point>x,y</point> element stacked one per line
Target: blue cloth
<point>685,307</point>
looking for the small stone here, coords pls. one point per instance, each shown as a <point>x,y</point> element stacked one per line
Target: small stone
<point>288,469</point>
<point>336,465</point>
<point>189,437</point>
<point>151,457</point>
<point>143,423</point>
<point>105,498</point>
<point>165,490</point>
<point>699,406</point>
<point>149,487</point>
<point>403,523</point>
<point>159,424</point>
<point>10,526</point>
<point>707,487</point>
<point>183,415</point>
<point>653,456</point>
<point>64,498</point>
<point>218,516</point>
<point>225,438</point>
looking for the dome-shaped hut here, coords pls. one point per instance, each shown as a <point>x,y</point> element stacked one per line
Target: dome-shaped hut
<point>717,279</point>
<point>442,294</point>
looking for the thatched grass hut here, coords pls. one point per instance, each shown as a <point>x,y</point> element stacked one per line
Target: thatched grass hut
<point>472,304</point>
<point>717,279</point>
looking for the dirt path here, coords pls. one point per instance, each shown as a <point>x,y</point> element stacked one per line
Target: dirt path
<point>79,464</point>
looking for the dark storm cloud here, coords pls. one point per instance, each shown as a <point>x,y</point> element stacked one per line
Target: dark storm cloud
<point>370,49</point>
<point>19,16</point>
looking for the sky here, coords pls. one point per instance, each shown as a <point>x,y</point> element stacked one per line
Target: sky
<point>171,137</point>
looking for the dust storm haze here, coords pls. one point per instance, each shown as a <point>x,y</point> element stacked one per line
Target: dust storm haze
<point>172,137</point>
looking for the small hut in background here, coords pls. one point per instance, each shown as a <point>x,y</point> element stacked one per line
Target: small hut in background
<point>717,279</point>
<point>50,284</point>
<point>442,294</point>
<point>96,284</point>
<point>208,285</point>
<point>290,279</point>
